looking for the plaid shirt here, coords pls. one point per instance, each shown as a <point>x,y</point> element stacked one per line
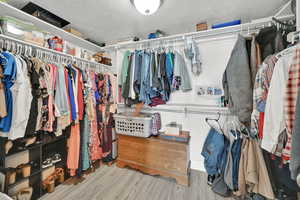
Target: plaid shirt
<point>260,90</point>
<point>292,87</point>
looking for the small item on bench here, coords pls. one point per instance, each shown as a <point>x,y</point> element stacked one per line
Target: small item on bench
<point>173,129</point>
<point>156,123</point>
<point>184,136</point>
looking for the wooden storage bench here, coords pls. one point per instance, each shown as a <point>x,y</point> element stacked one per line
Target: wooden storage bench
<point>155,156</point>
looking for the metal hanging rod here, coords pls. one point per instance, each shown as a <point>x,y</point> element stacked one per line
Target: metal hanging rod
<point>51,54</point>
<point>222,111</point>
<point>247,27</point>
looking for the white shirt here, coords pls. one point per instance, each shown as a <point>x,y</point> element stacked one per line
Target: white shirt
<point>274,121</point>
<point>22,97</point>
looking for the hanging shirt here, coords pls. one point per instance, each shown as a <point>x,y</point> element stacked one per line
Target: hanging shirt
<point>124,70</point>
<point>181,78</point>
<point>10,70</point>
<point>292,86</point>
<point>274,122</point>
<point>80,95</point>
<point>71,95</point>
<point>61,98</point>
<point>3,111</point>
<point>22,98</point>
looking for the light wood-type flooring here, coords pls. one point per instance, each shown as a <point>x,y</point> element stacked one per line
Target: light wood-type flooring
<point>112,183</point>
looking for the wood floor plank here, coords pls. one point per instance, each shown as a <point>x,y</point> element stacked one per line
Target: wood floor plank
<point>112,183</point>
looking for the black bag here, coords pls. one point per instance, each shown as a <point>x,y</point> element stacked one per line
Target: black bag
<point>219,187</point>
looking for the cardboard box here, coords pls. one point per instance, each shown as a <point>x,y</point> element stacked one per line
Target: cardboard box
<point>201,26</point>
<point>74,32</point>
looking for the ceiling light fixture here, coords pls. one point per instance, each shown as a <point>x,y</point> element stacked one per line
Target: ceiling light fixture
<point>147,7</point>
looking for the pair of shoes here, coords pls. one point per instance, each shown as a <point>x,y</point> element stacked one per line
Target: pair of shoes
<point>49,183</point>
<point>51,161</point>
<point>8,145</point>
<point>60,175</point>
<point>24,169</point>
<point>23,194</point>
<point>29,141</point>
<point>11,176</point>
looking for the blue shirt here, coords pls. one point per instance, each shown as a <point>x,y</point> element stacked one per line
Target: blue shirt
<point>10,73</point>
<point>72,98</point>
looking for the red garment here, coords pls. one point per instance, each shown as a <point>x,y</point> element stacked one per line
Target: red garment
<point>80,96</point>
<point>157,101</point>
<point>261,125</point>
<point>74,149</point>
<point>292,86</point>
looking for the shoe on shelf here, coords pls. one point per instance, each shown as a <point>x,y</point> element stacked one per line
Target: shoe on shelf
<point>11,176</point>
<point>47,163</point>
<point>30,141</point>
<point>49,184</point>
<point>56,158</point>
<point>25,194</point>
<point>60,175</point>
<point>8,145</point>
<point>24,169</point>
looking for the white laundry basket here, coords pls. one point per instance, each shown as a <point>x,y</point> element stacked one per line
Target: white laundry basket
<point>127,124</point>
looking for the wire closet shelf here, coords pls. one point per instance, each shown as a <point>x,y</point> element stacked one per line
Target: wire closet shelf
<point>30,49</point>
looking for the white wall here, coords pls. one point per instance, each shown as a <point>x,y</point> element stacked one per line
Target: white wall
<point>298,14</point>
<point>215,54</point>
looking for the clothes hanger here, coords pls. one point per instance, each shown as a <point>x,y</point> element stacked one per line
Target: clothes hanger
<point>207,120</point>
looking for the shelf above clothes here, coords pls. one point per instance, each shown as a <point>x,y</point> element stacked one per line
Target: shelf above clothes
<point>9,10</point>
<point>246,28</point>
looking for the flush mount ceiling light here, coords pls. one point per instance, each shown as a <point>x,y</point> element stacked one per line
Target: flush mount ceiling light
<point>147,7</point>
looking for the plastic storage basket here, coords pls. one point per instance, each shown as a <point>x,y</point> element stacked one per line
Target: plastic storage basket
<point>140,126</point>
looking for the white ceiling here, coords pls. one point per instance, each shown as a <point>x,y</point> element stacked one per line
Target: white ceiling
<point>113,20</point>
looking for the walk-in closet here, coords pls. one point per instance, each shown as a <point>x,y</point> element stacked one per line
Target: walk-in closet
<point>149,100</point>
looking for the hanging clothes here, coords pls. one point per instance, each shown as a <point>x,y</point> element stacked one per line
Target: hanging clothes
<point>253,175</point>
<point>295,150</point>
<point>3,111</point>
<point>181,79</point>
<point>292,86</point>
<point>237,81</point>
<point>22,98</point>
<point>95,149</point>
<point>147,76</point>
<point>274,112</point>
<point>260,93</point>
<point>73,149</point>
<point>34,70</point>
<point>10,71</point>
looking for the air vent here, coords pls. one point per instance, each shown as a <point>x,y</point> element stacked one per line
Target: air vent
<point>44,15</point>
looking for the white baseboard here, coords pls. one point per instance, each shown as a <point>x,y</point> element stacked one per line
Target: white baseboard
<point>197,165</point>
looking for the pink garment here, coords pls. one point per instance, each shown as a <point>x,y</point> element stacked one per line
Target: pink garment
<point>73,149</point>
<point>113,81</point>
<point>95,149</point>
<point>53,74</point>
<point>52,70</point>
